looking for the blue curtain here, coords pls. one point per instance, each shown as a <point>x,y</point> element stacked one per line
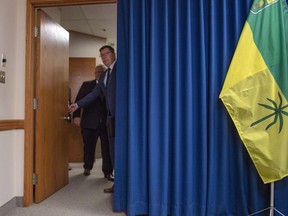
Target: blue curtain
<point>177,150</point>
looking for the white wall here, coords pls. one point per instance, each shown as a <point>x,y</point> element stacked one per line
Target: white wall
<point>12,97</point>
<point>83,45</point>
<point>12,93</point>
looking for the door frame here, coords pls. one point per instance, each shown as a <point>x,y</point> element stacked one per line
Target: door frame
<point>29,86</point>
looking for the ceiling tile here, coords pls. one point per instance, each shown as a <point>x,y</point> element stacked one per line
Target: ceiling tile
<point>71,13</point>
<point>100,11</point>
<point>98,19</point>
<point>77,25</point>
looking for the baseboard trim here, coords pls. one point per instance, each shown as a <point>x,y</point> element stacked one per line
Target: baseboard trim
<point>10,205</point>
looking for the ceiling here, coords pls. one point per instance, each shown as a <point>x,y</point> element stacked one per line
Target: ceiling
<point>99,20</point>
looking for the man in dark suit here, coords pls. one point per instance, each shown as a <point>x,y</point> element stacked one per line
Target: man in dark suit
<point>107,86</point>
<point>93,125</point>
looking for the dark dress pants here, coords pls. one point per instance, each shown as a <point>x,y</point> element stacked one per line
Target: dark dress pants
<point>111,146</point>
<point>90,137</point>
<point>111,134</point>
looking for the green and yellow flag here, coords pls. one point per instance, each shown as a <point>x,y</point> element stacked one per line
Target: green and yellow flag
<point>255,90</point>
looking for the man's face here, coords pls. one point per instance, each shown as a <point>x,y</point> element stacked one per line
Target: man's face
<point>98,71</point>
<point>107,57</point>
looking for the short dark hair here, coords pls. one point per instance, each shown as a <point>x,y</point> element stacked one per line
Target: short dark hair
<point>108,47</point>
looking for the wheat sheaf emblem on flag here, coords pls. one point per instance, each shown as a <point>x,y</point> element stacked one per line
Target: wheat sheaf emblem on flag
<point>277,112</point>
<point>261,4</point>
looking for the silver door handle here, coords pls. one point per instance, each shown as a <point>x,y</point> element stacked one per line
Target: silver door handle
<point>67,118</point>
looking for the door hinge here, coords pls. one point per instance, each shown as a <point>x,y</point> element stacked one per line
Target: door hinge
<point>35,103</point>
<point>35,179</point>
<point>36,31</point>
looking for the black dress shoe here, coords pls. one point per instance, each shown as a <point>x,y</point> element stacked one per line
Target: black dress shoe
<point>109,177</point>
<point>109,190</point>
<point>86,172</point>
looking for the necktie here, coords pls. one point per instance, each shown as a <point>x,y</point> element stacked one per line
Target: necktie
<point>107,77</point>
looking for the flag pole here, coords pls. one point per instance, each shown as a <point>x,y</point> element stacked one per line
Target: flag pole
<point>272,199</point>
<point>271,208</point>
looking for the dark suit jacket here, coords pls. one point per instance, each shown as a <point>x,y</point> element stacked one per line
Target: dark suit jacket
<point>95,112</point>
<point>109,92</point>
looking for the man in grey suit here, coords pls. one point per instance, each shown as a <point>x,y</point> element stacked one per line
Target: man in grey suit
<point>107,86</point>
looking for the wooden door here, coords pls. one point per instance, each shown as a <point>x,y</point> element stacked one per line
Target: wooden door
<point>80,70</point>
<point>51,149</point>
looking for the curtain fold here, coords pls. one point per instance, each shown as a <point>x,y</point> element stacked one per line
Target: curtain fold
<point>177,151</point>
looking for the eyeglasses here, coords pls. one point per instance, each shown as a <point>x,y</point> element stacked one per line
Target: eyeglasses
<point>105,53</point>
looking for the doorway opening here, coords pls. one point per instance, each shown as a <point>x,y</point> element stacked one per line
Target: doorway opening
<point>29,91</point>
